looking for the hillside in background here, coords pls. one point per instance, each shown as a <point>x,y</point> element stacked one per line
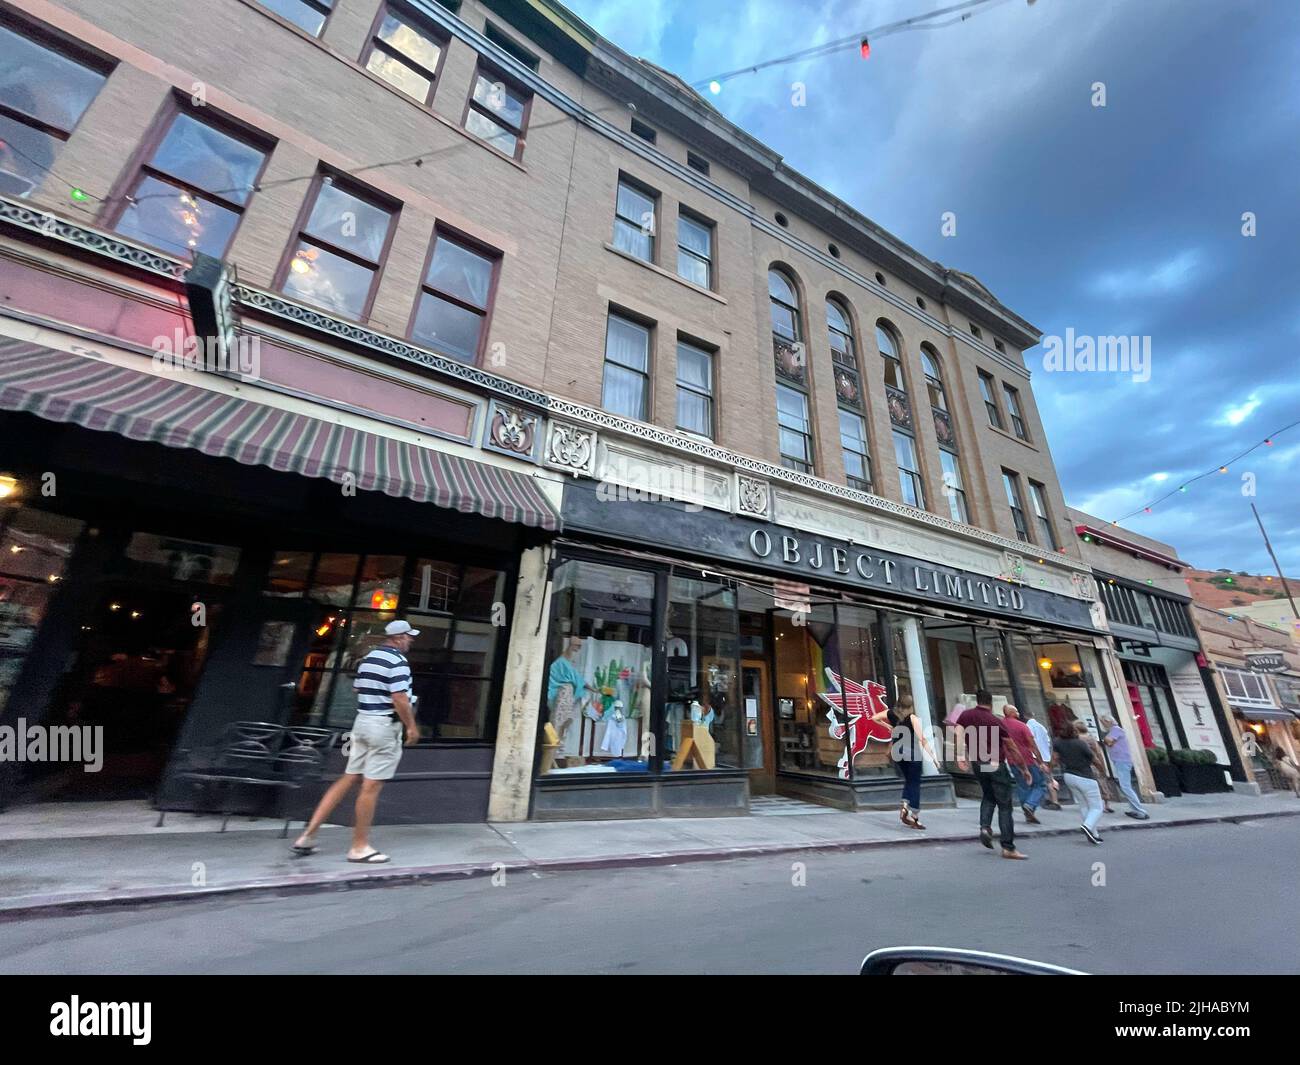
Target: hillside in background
<point>1223,589</point>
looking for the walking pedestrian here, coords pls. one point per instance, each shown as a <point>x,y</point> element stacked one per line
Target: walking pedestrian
<point>1025,756</point>
<point>906,746</point>
<point>1043,741</point>
<point>1079,758</point>
<point>1121,758</point>
<point>996,786</point>
<point>383,687</point>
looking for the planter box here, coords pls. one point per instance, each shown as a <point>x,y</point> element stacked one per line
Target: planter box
<point>1166,780</point>
<point>1201,779</point>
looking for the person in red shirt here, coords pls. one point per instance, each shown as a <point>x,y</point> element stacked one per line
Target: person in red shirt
<point>983,732</point>
<point>1025,756</point>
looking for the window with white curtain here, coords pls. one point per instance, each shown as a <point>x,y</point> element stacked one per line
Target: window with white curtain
<point>625,389</point>
<point>694,389</point>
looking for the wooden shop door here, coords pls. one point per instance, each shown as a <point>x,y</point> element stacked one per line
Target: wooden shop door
<point>756,696</point>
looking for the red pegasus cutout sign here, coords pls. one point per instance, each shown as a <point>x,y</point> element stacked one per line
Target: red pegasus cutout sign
<point>855,704</point>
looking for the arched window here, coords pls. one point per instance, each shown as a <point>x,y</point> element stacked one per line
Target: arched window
<point>841,331</point>
<point>888,345</point>
<point>785,306</point>
<point>933,380</point>
<point>794,421</point>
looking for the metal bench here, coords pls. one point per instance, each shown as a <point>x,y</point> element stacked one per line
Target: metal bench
<point>257,754</point>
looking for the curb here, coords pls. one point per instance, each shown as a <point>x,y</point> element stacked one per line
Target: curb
<point>315,883</point>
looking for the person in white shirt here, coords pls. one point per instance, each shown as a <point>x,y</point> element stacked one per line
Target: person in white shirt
<point>1043,740</point>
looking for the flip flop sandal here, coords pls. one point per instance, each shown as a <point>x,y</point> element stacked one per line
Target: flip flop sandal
<point>373,858</point>
<point>302,850</point>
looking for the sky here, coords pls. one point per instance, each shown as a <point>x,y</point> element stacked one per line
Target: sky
<point>1117,220</point>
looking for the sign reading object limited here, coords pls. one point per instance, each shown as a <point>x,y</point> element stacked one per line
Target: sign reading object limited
<point>807,557</point>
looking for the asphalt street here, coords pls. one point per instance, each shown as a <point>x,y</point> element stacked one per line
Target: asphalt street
<point>1202,899</point>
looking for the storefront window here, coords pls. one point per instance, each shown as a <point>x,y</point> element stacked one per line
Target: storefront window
<point>702,704</point>
<point>34,551</point>
<point>1024,663</point>
<point>458,610</point>
<point>600,657</point>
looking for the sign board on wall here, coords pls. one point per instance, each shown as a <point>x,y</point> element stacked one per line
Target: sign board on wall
<point>1194,709</point>
<point>1265,661</point>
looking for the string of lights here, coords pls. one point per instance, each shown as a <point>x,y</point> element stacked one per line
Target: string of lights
<point>1220,469</point>
<point>861,40</point>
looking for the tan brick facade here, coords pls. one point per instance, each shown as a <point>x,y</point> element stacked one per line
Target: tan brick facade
<point>550,217</point>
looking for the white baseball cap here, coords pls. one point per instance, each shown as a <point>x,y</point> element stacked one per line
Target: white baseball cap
<point>400,628</point>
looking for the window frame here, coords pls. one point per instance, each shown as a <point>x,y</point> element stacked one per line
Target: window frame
<point>647,375</point>
<point>710,396</point>
<point>907,475</point>
<point>1016,504</point>
<point>330,6</point>
<point>485,68</point>
<point>456,236</point>
<point>697,163</point>
<point>882,326</point>
<point>653,196</point>
<point>1015,412</point>
<point>426,28</point>
<point>138,167</point>
<point>1038,500</point>
<point>712,230</point>
<point>361,192</point>
<point>989,394</point>
<point>865,454</point>
<point>934,382</point>
<point>804,465</point>
<point>72,50</point>
<point>958,509</point>
<point>643,131</point>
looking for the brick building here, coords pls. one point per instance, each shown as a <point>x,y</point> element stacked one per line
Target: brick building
<point>568,365</point>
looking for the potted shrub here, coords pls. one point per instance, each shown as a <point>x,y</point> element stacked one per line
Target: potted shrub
<point>1163,773</point>
<point>1198,773</point>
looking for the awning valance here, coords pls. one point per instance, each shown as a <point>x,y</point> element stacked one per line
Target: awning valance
<point>166,410</point>
<point>1257,713</point>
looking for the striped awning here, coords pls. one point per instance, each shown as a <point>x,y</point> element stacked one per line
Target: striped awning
<point>166,410</point>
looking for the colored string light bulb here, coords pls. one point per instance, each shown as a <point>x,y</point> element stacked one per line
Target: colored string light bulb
<point>78,195</point>
<point>715,87</point>
<point>866,48</point>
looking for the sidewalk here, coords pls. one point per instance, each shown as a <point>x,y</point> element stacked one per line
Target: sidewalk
<point>50,864</point>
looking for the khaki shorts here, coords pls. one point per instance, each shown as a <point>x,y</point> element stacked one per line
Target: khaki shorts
<point>375,747</point>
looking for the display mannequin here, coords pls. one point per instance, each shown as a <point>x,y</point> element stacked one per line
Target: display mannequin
<point>565,687</point>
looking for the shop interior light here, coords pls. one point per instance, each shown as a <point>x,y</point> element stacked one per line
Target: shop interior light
<point>1044,663</point>
<point>8,485</point>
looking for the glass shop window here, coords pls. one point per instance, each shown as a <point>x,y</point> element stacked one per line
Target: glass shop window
<point>600,656</point>
<point>702,718</point>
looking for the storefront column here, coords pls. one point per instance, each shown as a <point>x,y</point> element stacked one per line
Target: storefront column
<point>1119,700</point>
<point>521,691</point>
<point>920,689</point>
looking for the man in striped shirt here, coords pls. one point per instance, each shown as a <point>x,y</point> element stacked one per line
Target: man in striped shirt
<point>384,713</point>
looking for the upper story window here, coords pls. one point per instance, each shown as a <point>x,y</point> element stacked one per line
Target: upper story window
<point>508,44</point>
<point>990,403</point>
<point>794,429</point>
<point>784,307</point>
<point>625,388</point>
<point>909,470</point>
<point>405,53</point>
<point>340,249</point>
<point>44,91</point>
<point>1013,409</point>
<point>976,332</point>
<point>853,445</point>
<point>455,299</point>
<point>646,133</point>
<point>953,487</point>
<point>1011,482</point>
<point>697,163</point>
<point>695,250</point>
<point>1038,500</point>
<point>1246,687</point>
<point>888,346</point>
<point>309,15</point>
<point>848,381</point>
<point>634,221</point>
<point>933,380</point>
<point>497,111</point>
<point>694,389</point>
<point>191,191</point>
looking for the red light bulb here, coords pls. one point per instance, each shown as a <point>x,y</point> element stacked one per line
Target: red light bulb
<point>866,48</point>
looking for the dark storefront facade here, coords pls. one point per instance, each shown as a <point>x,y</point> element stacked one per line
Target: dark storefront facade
<point>696,658</point>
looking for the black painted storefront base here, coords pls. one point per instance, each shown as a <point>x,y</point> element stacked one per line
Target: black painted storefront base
<point>599,798</point>
<point>433,785</point>
<point>865,793</point>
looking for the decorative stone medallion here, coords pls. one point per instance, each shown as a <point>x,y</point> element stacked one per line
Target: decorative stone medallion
<point>571,448</point>
<point>753,497</point>
<point>512,431</point>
